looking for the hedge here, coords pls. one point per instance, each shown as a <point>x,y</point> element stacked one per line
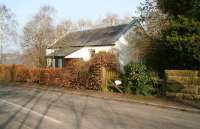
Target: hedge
<point>77,74</point>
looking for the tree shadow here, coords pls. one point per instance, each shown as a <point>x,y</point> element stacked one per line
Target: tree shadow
<point>13,116</point>
<point>28,113</point>
<point>118,120</point>
<point>79,115</point>
<point>48,107</point>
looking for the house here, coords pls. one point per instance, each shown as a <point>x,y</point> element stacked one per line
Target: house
<point>82,45</point>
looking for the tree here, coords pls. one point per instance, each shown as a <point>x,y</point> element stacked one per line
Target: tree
<point>147,45</point>
<point>182,36</point>
<point>83,24</point>
<point>152,18</point>
<point>187,8</point>
<point>38,34</point>
<point>126,19</point>
<point>7,28</point>
<point>64,27</point>
<point>110,19</point>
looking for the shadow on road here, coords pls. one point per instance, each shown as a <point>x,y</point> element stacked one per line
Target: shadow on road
<point>12,117</point>
<point>79,114</point>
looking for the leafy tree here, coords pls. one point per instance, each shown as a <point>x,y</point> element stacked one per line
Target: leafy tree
<point>187,8</point>
<point>182,36</point>
<point>182,40</point>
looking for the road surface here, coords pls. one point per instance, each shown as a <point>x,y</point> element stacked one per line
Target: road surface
<point>28,108</point>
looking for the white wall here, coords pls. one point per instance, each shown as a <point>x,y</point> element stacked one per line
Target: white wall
<point>84,53</point>
<point>49,51</point>
<point>122,51</point>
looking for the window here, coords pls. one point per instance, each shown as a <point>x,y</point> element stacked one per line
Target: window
<point>49,62</point>
<point>54,63</point>
<point>92,52</point>
<point>60,63</point>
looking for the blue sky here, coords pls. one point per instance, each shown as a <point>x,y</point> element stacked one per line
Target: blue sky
<point>71,9</point>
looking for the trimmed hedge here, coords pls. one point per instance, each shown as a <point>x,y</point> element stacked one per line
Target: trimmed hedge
<point>77,74</point>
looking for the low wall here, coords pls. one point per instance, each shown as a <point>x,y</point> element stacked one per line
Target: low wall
<point>183,84</point>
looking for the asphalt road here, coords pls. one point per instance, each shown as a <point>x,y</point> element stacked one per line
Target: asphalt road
<point>25,108</point>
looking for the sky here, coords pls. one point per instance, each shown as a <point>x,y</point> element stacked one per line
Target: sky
<point>71,9</point>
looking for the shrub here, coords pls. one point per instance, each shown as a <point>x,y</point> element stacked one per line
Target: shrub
<point>22,74</point>
<point>51,76</point>
<point>5,73</point>
<point>137,79</point>
<point>66,78</point>
<point>100,60</point>
<point>35,75</point>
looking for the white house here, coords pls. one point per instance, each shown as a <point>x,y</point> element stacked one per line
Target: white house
<point>84,44</point>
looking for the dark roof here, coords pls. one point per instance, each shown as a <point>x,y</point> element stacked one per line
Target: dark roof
<point>64,52</point>
<point>94,37</point>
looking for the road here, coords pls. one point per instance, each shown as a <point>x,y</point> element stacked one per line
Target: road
<point>28,108</point>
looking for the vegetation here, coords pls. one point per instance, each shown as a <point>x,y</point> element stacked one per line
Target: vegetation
<point>77,75</point>
<point>186,8</point>
<point>172,34</point>
<point>7,28</point>
<point>182,41</point>
<point>137,79</point>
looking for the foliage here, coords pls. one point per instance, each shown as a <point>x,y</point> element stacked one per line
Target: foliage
<point>137,79</point>
<point>186,8</point>
<point>100,60</point>
<point>5,75</point>
<point>182,40</point>
<point>176,44</point>
<point>149,46</point>
<point>76,75</point>
<point>34,74</point>
<point>22,74</point>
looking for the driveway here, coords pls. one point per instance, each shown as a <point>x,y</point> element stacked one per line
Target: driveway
<point>29,108</point>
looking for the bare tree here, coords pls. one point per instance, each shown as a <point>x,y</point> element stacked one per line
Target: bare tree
<point>38,34</point>
<point>152,18</point>
<point>64,27</point>
<point>126,19</point>
<point>7,28</point>
<point>83,24</point>
<point>111,19</point>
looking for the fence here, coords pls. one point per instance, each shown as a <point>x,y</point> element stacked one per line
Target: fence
<point>184,84</point>
<point>107,76</point>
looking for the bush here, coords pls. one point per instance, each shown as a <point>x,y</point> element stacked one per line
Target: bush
<point>137,79</point>
<point>51,76</point>
<point>22,74</point>
<point>6,75</point>
<point>34,74</point>
<point>100,60</point>
<point>77,74</point>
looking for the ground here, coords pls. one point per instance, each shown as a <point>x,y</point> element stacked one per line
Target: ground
<point>33,108</point>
